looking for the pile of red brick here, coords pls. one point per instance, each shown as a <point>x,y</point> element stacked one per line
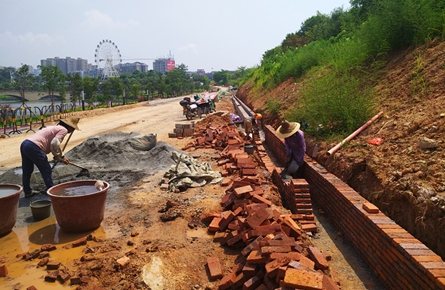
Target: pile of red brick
<point>217,137</point>
<point>274,254</point>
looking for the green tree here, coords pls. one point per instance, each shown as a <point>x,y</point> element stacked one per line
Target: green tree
<point>221,77</point>
<point>75,87</point>
<point>90,87</point>
<point>22,80</point>
<point>117,88</point>
<point>52,78</point>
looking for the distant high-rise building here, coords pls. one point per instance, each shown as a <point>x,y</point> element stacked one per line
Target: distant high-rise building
<point>67,65</point>
<point>131,67</point>
<point>164,65</point>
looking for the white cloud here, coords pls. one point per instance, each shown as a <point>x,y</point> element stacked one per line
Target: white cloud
<point>191,47</point>
<point>40,39</point>
<point>95,19</point>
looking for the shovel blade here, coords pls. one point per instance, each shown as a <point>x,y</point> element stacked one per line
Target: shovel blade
<point>83,172</point>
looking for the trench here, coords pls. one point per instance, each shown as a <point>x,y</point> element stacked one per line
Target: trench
<point>396,257</point>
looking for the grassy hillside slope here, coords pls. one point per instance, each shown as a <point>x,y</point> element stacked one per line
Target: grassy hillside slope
<point>405,181</point>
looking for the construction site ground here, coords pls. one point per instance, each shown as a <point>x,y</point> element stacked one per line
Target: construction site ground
<point>164,252</point>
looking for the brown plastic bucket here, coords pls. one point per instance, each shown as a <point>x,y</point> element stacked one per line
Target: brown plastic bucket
<point>78,205</point>
<point>40,209</point>
<point>9,203</point>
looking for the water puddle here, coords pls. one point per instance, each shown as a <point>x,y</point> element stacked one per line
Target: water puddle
<point>199,233</point>
<point>29,235</point>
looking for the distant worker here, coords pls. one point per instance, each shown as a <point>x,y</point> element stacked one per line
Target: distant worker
<point>295,146</point>
<point>248,128</point>
<point>37,146</point>
<point>258,118</point>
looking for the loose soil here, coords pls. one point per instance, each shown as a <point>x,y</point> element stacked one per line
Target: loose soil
<point>160,233</point>
<point>406,181</point>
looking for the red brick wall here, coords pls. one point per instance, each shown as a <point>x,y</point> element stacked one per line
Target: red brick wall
<point>396,257</point>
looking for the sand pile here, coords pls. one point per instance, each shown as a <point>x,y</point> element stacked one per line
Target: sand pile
<point>112,151</point>
<point>108,157</point>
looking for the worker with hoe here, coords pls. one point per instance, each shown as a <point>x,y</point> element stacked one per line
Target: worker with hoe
<point>294,144</point>
<point>37,146</point>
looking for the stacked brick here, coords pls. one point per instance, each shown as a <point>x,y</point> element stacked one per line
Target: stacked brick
<point>182,130</point>
<point>217,137</point>
<point>400,260</point>
<point>273,254</point>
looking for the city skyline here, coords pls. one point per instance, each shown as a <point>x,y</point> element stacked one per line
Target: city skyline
<point>200,34</point>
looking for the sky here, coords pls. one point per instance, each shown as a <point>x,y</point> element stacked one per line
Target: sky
<point>201,34</point>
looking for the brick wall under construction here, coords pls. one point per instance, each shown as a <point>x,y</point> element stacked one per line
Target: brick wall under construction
<point>397,258</point>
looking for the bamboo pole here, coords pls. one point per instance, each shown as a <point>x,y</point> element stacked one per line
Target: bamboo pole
<point>355,133</point>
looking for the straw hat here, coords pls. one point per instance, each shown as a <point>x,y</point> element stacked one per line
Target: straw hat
<point>287,129</point>
<point>72,122</point>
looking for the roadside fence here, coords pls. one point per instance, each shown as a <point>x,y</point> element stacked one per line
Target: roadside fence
<point>14,121</point>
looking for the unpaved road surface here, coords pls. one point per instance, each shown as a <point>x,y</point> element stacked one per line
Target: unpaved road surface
<point>161,254</point>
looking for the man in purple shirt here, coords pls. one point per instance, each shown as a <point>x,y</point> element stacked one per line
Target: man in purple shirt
<point>37,146</point>
<point>294,143</point>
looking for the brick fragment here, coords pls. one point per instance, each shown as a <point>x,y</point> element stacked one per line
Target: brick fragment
<point>214,267</point>
<point>302,279</point>
<point>51,277</point>
<point>252,283</point>
<point>43,262</point>
<point>48,247</point>
<point>52,265</point>
<point>122,262</point>
<point>3,271</point>
<point>75,280</point>
<point>80,242</point>
<point>31,288</point>
<point>227,281</point>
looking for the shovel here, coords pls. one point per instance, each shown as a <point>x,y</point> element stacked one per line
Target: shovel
<point>83,172</point>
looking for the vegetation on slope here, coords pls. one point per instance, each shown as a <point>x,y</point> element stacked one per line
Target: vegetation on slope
<point>337,58</point>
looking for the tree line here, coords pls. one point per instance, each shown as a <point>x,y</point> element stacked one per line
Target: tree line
<point>128,87</point>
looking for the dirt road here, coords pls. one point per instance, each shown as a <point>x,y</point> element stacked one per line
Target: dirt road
<point>147,117</point>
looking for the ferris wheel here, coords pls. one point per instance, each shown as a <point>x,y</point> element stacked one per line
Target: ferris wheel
<point>107,57</point>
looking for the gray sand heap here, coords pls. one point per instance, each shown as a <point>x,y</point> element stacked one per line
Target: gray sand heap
<point>113,152</point>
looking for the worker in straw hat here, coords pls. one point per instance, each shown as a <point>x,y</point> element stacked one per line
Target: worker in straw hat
<point>295,146</point>
<point>37,146</point>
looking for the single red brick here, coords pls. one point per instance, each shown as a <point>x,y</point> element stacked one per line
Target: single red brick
<point>258,218</point>
<point>214,266</point>
<point>320,261</point>
<point>226,219</point>
<point>31,288</point>
<point>214,225</point>
<point>240,191</point>
<point>370,208</point>
<point>260,199</point>
<point>255,257</point>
